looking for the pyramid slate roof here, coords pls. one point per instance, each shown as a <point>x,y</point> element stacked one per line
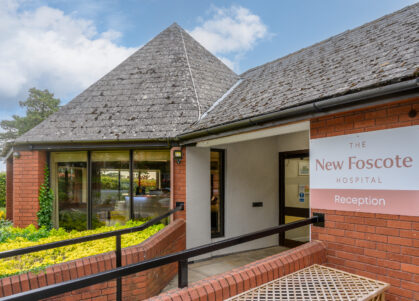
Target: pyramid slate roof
<point>377,53</point>
<point>173,85</point>
<point>157,92</point>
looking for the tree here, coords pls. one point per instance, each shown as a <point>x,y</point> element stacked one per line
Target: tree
<point>39,105</point>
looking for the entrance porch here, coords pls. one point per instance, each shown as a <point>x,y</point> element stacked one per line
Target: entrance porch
<point>248,182</point>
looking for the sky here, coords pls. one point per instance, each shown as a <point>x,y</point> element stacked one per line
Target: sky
<point>65,46</point>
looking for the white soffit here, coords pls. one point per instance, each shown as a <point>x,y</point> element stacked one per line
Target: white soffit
<point>257,134</point>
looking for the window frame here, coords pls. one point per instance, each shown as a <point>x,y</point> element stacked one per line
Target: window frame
<point>51,160</point>
<point>222,155</point>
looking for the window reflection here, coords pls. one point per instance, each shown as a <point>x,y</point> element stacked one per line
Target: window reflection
<point>69,182</point>
<point>151,183</point>
<point>110,187</point>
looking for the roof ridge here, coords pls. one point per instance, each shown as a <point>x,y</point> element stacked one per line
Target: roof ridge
<point>328,39</point>
<point>190,71</point>
<point>218,101</point>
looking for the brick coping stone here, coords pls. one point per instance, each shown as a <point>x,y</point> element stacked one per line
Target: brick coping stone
<point>236,281</point>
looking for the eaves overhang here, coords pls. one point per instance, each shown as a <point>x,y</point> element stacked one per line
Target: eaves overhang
<point>316,108</point>
<point>373,96</point>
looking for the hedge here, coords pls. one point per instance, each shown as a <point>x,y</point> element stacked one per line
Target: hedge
<point>16,238</point>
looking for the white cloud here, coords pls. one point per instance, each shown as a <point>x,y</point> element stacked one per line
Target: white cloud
<point>46,48</point>
<point>230,31</point>
<point>231,64</point>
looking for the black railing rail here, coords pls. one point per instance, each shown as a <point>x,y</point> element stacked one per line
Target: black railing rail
<point>77,240</point>
<point>181,257</point>
<point>67,242</point>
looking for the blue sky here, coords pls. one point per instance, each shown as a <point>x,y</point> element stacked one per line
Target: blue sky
<point>65,46</point>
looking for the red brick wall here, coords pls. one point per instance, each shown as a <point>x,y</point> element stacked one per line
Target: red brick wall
<point>135,287</point>
<point>9,189</point>
<point>179,183</point>
<point>364,120</point>
<point>379,246</point>
<point>28,175</point>
<point>223,286</point>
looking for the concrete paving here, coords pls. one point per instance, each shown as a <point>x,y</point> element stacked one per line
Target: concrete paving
<point>209,267</point>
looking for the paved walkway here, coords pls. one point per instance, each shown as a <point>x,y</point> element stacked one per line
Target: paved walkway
<point>209,267</point>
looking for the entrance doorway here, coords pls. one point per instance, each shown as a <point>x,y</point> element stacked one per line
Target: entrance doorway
<point>294,197</point>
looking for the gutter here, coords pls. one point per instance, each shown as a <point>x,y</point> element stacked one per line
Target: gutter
<point>306,109</point>
<point>8,154</point>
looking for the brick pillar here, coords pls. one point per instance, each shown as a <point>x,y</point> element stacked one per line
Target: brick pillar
<point>9,189</point>
<point>28,175</point>
<point>178,182</point>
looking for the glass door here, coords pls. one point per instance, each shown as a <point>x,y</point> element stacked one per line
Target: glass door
<point>110,188</point>
<point>69,183</point>
<point>294,195</point>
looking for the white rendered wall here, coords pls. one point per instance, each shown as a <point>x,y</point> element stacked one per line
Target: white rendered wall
<point>294,141</point>
<point>198,185</point>
<point>251,176</point>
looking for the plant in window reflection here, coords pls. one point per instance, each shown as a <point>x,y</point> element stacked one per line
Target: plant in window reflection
<point>112,183</point>
<point>77,220</point>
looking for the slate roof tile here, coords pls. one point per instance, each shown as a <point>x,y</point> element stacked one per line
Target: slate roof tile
<point>382,51</point>
<point>150,95</point>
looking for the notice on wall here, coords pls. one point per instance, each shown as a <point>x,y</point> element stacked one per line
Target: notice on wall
<point>375,172</point>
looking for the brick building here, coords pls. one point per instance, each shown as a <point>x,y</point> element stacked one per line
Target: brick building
<point>332,128</point>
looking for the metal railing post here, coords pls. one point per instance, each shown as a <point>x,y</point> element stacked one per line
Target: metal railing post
<point>182,273</point>
<point>118,256</point>
<point>121,271</point>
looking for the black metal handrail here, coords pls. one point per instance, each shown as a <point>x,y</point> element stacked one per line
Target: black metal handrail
<point>77,240</point>
<point>116,233</point>
<point>181,257</point>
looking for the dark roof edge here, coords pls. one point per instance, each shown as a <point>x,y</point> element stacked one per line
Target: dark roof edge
<point>92,145</point>
<point>305,109</point>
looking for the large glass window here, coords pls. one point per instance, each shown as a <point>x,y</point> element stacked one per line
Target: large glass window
<point>110,193</point>
<point>151,183</point>
<point>69,182</point>
<point>110,188</point>
<point>217,193</point>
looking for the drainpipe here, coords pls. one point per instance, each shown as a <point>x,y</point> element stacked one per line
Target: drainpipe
<point>306,109</point>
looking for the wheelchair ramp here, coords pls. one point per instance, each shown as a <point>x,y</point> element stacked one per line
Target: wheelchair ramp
<point>317,282</point>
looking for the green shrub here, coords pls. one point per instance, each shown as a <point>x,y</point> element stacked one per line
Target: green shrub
<point>15,238</point>
<point>2,189</point>
<point>46,198</point>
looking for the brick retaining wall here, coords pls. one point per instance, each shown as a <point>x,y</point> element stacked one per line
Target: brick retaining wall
<point>135,287</point>
<point>228,284</point>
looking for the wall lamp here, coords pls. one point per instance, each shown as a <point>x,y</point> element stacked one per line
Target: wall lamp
<point>412,113</point>
<point>177,154</point>
<point>16,155</point>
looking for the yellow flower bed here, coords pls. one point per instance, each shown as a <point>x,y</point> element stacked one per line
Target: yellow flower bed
<point>40,260</point>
